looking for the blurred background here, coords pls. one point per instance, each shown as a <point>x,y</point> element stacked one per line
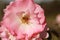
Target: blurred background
<point>52,14</point>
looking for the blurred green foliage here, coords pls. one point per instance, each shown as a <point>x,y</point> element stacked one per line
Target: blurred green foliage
<point>2,6</point>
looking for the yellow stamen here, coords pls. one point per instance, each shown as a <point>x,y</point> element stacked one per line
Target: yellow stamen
<point>25,19</point>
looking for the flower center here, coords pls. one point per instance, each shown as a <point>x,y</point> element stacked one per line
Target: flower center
<point>25,19</point>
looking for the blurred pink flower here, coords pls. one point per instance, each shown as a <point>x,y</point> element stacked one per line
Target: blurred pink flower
<point>58,19</point>
<point>23,19</point>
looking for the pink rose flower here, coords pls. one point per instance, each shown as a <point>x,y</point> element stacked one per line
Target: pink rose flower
<point>23,19</point>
